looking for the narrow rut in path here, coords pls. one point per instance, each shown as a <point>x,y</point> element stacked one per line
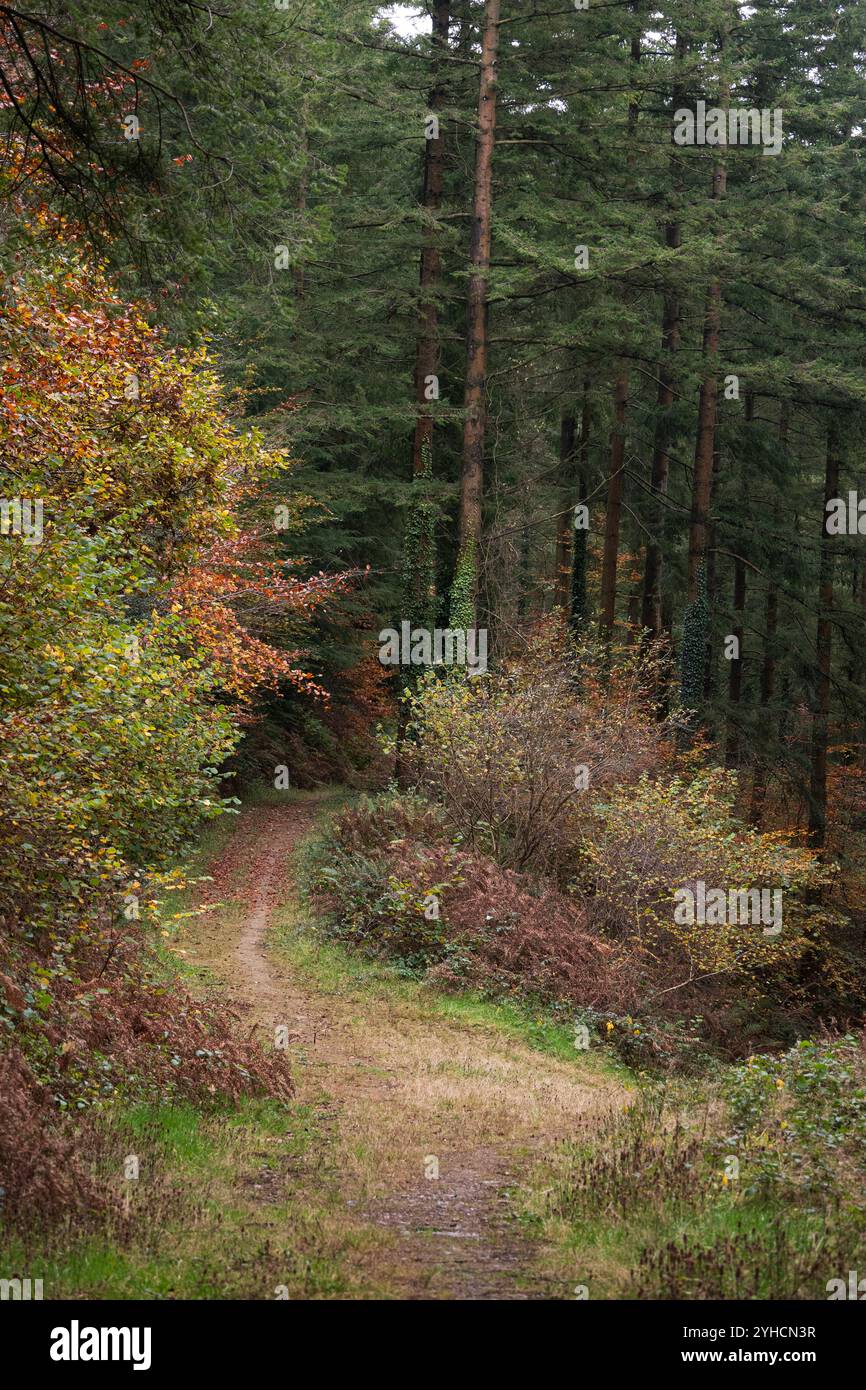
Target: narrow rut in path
<point>457,1231</point>
<point>436,1120</point>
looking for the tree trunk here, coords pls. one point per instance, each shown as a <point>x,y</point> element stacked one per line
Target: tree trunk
<point>565,524</point>
<point>474,426</point>
<point>427,346</point>
<point>651,613</point>
<point>735,674</point>
<point>581,534</point>
<point>420,567</point>
<point>704,443</point>
<point>768,685</point>
<point>823,654</point>
<point>707,410</point>
<point>616,476</point>
<point>768,665</point>
<point>710,663</point>
<point>613,511</point>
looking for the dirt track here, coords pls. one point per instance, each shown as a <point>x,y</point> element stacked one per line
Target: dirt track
<point>409,1090</point>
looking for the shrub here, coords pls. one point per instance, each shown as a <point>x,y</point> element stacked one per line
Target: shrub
<point>385,903</point>
<point>798,1121</point>
<point>92,1028</point>
<point>125,668</point>
<point>510,937</point>
<point>503,753</point>
<point>384,861</point>
<point>654,838</point>
<point>41,1175</point>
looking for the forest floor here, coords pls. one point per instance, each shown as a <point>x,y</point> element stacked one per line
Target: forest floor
<point>437,1146</point>
<point>397,1084</point>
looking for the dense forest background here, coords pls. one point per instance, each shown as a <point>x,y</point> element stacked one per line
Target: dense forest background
<point>669,333</point>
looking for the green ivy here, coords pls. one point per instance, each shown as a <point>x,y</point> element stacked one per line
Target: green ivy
<point>420,604</point>
<point>578,579</point>
<point>696,631</point>
<point>463,588</point>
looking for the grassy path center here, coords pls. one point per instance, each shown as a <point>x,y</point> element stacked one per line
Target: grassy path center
<point>437,1113</point>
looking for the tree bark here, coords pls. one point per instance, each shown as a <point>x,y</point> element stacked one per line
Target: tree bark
<point>823,654</point>
<point>616,476</point>
<point>651,611</point>
<point>581,535</point>
<point>613,512</point>
<point>565,524</point>
<point>768,686</point>
<point>707,410</point>
<point>427,345</point>
<point>710,664</point>
<point>735,674</point>
<point>704,444</point>
<point>474,427</point>
<point>768,665</point>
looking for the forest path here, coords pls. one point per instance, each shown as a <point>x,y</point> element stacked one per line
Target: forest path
<point>407,1089</point>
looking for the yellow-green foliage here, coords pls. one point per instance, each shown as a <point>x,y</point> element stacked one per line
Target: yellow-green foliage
<point>798,1121</point>
<point>658,836</point>
<point>515,755</point>
<point>110,733</point>
<point>106,760</point>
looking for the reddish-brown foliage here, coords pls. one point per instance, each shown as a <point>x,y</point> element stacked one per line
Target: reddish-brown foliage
<point>520,942</point>
<point>40,1171</point>
<point>112,1031</point>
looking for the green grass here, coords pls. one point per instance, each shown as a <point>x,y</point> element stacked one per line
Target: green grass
<point>332,967</point>
<point>328,964</point>
<point>730,1241</point>
<point>608,1251</point>
<point>223,1208</point>
<point>199,1227</point>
